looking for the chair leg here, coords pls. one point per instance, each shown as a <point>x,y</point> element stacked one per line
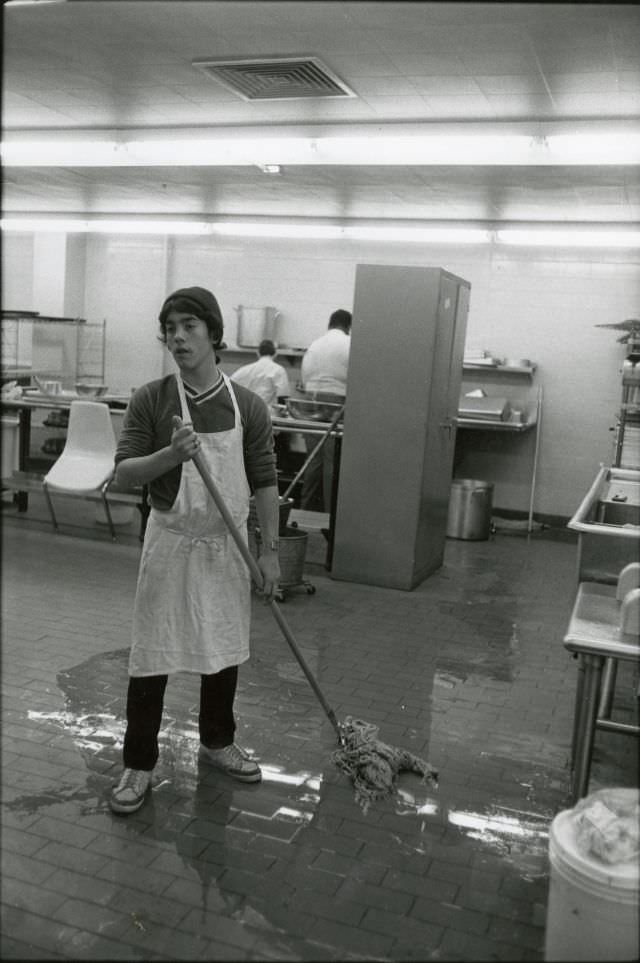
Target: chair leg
<point>45,488</point>
<point>608,688</point>
<point>107,510</point>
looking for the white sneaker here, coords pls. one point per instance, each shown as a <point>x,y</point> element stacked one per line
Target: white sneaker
<point>128,796</point>
<point>234,761</point>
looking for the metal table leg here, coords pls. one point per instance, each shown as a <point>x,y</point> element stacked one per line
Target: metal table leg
<point>576,711</point>
<point>24,445</point>
<point>337,451</point>
<point>593,665</point>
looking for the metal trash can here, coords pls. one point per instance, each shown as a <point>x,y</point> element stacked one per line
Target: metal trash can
<point>470,506</point>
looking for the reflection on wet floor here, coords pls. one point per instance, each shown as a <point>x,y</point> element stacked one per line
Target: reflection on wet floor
<point>467,671</point>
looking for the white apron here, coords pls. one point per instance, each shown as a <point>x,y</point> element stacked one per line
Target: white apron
<point>193,600</point>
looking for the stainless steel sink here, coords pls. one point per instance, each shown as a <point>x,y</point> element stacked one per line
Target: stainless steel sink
<point>612,504</point>
<point>608,523</point>
<point>617,513</point>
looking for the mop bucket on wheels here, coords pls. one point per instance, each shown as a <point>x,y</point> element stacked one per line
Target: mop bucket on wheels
<point>291,556</point>
<point>592,912</point>
<point>284,505</point>
<point>292,552</point>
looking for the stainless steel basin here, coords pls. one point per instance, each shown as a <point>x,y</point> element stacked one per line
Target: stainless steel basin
<point>617,513</point>
<point>608,525</point>
<point>612,504</point>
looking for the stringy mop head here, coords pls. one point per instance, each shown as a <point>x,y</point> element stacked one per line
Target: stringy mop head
<point>372,765</point>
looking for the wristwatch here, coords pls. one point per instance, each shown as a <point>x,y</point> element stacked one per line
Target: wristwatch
<point>273,544</point>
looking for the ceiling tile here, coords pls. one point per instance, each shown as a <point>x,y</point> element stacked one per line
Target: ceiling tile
<point>629,81</point>
<point>470,107</point>
<point>445,85</point>
<point>510,84</point>
<point>590,104</point>
<point>400,108</point>
<point>583,83</point>
<point>384,86</point>
<point>517,106</point>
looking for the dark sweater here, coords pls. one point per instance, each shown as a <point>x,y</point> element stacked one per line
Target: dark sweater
<point>147,427</point>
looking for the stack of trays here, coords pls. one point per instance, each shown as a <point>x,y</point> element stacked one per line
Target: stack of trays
<point>484,409</point>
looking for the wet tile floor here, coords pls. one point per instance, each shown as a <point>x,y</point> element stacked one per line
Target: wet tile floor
<point>467,671</point>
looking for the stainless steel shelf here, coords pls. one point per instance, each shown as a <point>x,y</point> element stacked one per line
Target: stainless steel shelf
<point>488,424</point>
<point>284,352</point>
<point>499,368</point>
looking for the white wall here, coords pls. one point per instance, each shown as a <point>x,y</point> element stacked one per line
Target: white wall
<point>17,272</point>
<point>525,303</point>
<point>125,285</point>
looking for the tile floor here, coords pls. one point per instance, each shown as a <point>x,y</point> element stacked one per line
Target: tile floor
<point>467,671</point>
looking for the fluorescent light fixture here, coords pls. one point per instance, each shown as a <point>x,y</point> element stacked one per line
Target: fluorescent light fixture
<point>61,153</point>
<point>328,232</point>
<point>421,235</point>
<point>30,3</point>
<point>557,237</point>
<point>370,149</point>
<point>536,235</point>
<point>77,225</point>
<point>595,149</point>
<point>313,232</point>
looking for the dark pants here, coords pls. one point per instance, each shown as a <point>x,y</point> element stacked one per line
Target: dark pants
<point>145,699</point>
<point>317,480</point>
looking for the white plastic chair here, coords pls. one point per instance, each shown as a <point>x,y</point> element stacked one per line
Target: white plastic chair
<point>86,464</point>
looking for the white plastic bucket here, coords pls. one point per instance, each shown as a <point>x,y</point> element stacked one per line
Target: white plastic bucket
<point>592,913</point>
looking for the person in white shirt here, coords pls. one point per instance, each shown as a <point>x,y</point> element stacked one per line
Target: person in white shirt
<point>264,377</point>
<point>324,378</point>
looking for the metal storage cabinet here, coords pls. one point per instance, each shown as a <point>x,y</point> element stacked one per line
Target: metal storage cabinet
<point>405,370</point>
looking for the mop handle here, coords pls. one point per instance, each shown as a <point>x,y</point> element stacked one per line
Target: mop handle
<point>312,454</point>
<point>256,573</point>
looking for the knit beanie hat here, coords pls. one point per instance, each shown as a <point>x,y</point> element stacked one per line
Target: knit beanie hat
<point>203,304</point>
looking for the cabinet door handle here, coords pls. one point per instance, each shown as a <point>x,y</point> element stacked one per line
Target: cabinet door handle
<point>449,423</point>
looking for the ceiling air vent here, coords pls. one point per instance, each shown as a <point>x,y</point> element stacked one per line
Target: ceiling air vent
<point>276,78</point>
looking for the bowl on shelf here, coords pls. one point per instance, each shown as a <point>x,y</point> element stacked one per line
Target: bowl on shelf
<point>91,390</point>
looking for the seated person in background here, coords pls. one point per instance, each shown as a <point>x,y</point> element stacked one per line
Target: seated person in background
<point>265,377</point>
<point>324,378</point>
